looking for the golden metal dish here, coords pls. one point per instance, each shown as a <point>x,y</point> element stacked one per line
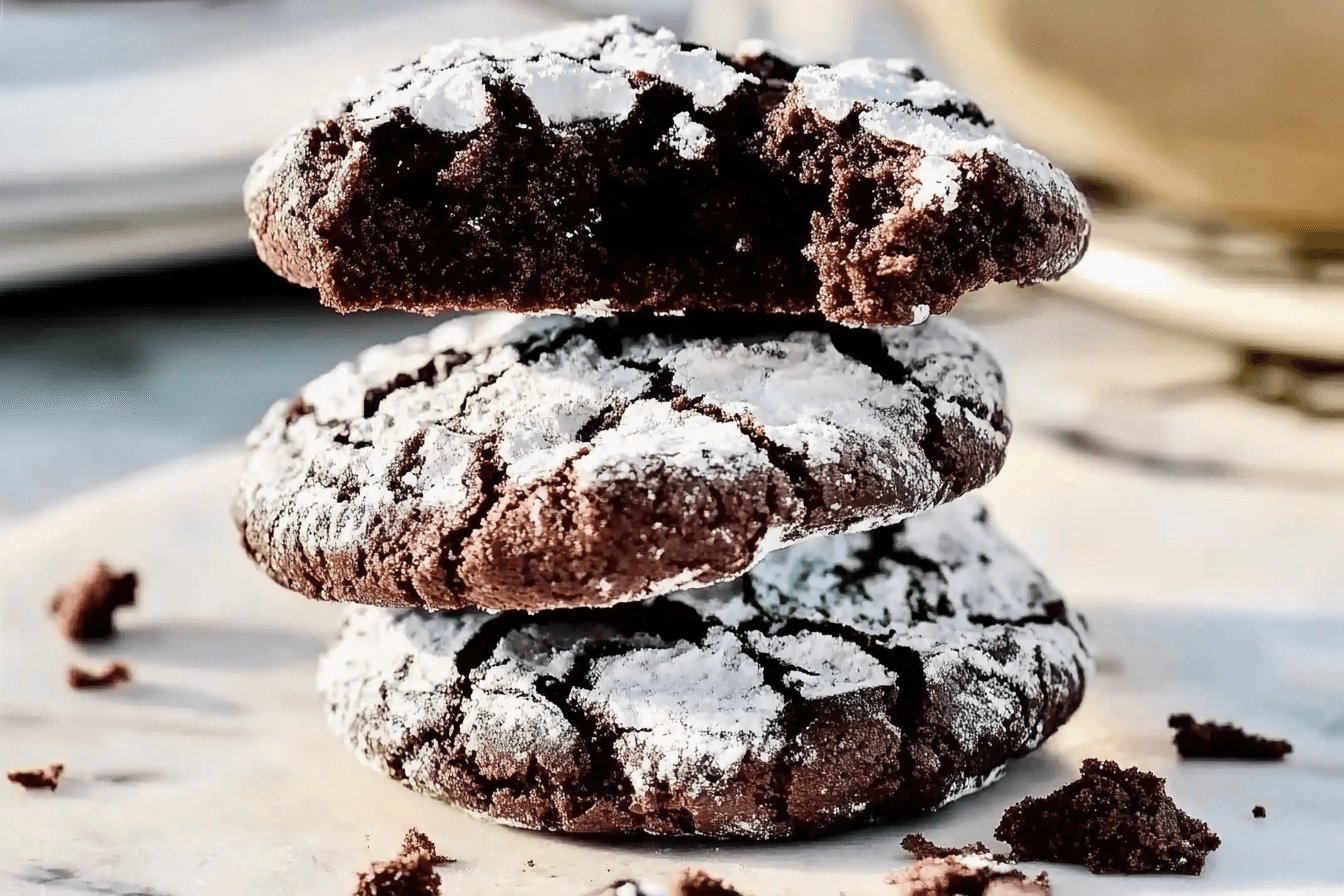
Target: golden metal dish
<point>1214,110</point>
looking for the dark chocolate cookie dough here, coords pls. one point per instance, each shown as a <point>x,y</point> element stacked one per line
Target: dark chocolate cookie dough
<point>511,462</point>
<point>844,679</point>
<point>604,168</point>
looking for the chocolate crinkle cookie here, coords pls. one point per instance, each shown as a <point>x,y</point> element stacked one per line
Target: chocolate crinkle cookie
<point>1113,821</point>
<point>510,462</point>
<point>604,167</point>
<point>1210,740</point>
<point>843,679</point>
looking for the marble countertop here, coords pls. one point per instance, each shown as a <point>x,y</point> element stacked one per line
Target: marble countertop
<point>1197,530</point>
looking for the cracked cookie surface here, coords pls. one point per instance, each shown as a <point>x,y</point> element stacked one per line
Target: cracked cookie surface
<point>603,168</point>
<point>844,679</point>
<point>510,462</point>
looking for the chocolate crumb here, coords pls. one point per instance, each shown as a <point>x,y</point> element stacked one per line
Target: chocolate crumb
<point>81,679</point>
<point>1112,821</point>
<point>951,876</point>
<point>84,609</point>
<point>411,873</point>
<point>1258,812</point>
<point>1210,740</point>
<point>415,840</point>
<point>38,778</point>
<point>694,882</point>
<point>920,847</point>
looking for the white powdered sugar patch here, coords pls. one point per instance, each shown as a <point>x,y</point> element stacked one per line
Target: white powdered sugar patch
<point>502,731</point>
<point>824,665</point>
<point>377,646</point>
<point>938,180</point>
<point>833,91</point>
<point>688,137</point>
<point>698,71</point>
<point>975,783</point>
<point>687,712</point>
<point>650,429</point>
<point>591,309</point>
<point>582,72</point>
<point>684,707</point>
<point>895,105</point>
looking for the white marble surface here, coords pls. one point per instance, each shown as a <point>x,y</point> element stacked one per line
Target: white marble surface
<point>213,773</point>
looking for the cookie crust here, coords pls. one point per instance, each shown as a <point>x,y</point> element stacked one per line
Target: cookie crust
<point>844,679</point>
<point>507,462</point>
<point>605,168</point>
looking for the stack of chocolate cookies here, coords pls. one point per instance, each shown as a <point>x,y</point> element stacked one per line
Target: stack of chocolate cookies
<point>669,538</point>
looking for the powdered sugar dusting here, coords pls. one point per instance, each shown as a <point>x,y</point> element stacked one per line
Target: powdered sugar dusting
<point>823,665</point>
<point>834,90</point>
<point>683,706</point>
<point>581,72</point>
<point>688,137</point>
<point>975,783</point>
<point>375,647</point>
<point>938,182</point>
<point>698,71</point>
<point>895,104</point>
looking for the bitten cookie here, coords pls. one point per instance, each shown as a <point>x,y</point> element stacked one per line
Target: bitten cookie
<point>603,167</point>
<point>843,679</point>
<point>509,462</point>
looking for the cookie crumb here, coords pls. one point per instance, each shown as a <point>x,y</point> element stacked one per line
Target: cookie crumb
<point>965,876</point>
<point>1112,821</point>
<point>81,679</point>
<point>694,882</point>
<point>411,873</point>
<point>416,840</point>
<point>1258,812</point>
<point>38,778</point>
<point>84,609</point>
<point>920,847</point>
<point>1211,740</point>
